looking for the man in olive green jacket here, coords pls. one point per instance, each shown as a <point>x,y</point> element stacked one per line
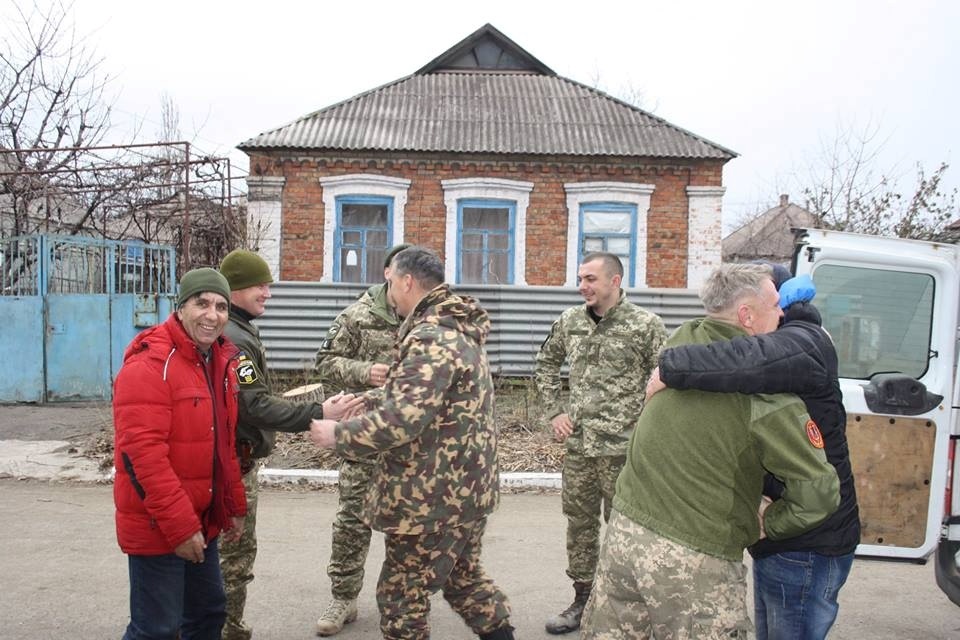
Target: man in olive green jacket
<point>261,415</point>
<point>689,499</point>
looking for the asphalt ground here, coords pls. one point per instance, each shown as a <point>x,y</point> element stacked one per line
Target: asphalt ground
<point>64,576</point>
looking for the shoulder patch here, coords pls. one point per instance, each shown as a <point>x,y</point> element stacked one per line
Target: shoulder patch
<point>246,371</point>
<point>814,435</point>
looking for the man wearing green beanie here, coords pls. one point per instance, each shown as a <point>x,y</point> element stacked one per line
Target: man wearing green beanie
<point>354,357</point>
<point>262,414</point>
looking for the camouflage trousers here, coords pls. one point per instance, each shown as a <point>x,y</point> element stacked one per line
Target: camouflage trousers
<point>588,487</point>
<point>650,587</point>
<point>351,536</point>
<point>236,563</point>
<point>417,566</point>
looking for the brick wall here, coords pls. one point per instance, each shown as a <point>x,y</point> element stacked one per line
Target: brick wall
<point>303,211</point>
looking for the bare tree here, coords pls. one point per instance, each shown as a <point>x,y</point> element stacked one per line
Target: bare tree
<point>52,99</point>
<point>847,191</point>
<point>57,174</point>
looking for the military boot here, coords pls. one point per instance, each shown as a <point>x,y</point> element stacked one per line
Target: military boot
<point>569,620</point>
<point>338,613</point>
<point>503,633</point>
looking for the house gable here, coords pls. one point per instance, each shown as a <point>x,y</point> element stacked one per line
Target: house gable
<point>486,49</point>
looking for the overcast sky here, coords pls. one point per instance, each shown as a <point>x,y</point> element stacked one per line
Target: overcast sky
<point>767,79</point>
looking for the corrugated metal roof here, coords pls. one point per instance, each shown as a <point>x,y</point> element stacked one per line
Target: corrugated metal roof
<point>489,112</point>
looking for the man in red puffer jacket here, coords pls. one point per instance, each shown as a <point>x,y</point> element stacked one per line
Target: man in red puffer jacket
<point>177,480</point>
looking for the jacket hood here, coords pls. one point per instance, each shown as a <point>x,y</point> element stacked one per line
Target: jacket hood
<point>376,298</point>
<point>461,313</point>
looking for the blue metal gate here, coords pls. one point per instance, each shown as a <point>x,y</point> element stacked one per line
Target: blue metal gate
<point>68,308</point>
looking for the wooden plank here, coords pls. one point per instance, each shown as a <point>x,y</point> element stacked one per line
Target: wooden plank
<point>892,459</point>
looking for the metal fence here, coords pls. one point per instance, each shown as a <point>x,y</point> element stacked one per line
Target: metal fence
<point>300,314</point>
<point>35,265</point>
<point>69,305</point>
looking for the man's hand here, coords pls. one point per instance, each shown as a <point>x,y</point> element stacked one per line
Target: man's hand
<point>322,433</point>
<point>192,548</point>
<point>236,531</point>
<point>378,374</point>
<point>654,384</point>
<point>562,426</point>
<point>341,406</point>
<point>764,503</point>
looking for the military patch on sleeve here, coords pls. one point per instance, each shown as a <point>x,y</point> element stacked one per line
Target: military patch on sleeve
<point>814,435</point>
<point>331,334</point>
<point>246,371</point>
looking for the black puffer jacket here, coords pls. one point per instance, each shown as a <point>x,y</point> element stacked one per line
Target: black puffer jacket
<point>799,358</point>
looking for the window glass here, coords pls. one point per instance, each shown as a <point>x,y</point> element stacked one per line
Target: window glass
<point>607,222</point>
<point>364,215</point>
<point>880,321</point>
<point>486,242</point>
<point>362,238</point>
<point>610,227</point>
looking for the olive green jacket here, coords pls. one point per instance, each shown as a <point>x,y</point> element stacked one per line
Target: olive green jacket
<point>262,413</point>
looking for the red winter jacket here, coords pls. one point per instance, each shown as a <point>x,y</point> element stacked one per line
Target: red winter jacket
<point>166,415</point>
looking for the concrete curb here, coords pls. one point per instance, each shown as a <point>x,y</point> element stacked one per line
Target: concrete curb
<point>59,461</point>
<point>329,477</point>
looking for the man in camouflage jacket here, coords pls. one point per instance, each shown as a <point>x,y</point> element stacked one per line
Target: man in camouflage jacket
<point>611,346</point>
<point>354,357</point>
<point>436,479</point>
<point>261,415</point>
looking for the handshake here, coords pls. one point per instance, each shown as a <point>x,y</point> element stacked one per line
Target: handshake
<point>339,407</point>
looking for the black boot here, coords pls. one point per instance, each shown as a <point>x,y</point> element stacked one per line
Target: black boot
<point>569,620</point>
<point>503,633</point>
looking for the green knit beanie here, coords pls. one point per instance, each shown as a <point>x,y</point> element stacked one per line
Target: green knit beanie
<point>394,250</point>
<point>244,269</point>
<point>200,280</point>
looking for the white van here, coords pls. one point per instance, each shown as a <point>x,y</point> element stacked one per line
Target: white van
<point>891,306</point>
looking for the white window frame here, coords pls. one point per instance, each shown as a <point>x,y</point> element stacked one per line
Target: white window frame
<point>487,189</point>
<point>580,193</point>
<point>359,184</point>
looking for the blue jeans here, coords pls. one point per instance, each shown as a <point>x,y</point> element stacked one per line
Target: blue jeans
<point>795,594</point>
<point>169,595</point>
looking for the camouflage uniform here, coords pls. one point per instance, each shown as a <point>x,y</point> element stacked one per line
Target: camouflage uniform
<point>610,362</point>
<point>261,415</point>
<point>642,576</point>
<point>363,334</point>
<point>686,506</point>
<point>436,473</point>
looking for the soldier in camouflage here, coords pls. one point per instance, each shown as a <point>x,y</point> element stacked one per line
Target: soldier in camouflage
<point>687,501</point>
<point>611,346</point>
<point>354,357</point>
<point>261,415</point>
<point>435,480</point>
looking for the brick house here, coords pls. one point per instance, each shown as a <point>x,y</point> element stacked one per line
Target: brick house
<point>508,170</point>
